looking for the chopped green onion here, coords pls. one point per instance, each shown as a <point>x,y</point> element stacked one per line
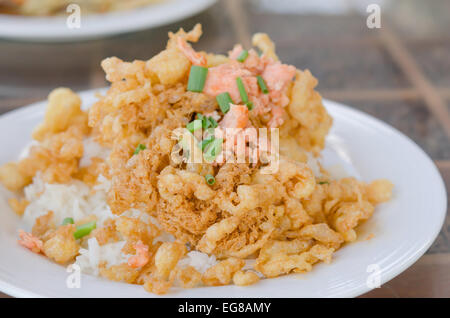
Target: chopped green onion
<point>186,146</point>
<point>207,122</point>
<point>241,88</point>
<point>213,150</point>
<point>67,221</point>
<point>84,230</point>
<point>249,105</point>
<point>213,122</point>
<point>324,182</point>
<point>243,56</point>
<point>224,100</point>
<point>197,78</point>
<point>199,116</point>
<point>210,179</point>
<point>205,142</point>
<point>262,84</point>
<point>139,148</point>
<point>194,125</point>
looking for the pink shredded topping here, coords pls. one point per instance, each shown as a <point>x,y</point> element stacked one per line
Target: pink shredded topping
<point>278,115</point>
<point>30,241</point>
<point>237,117</point>
<point>141,258</point>
<point>193,56</point>
<point>222,78</point>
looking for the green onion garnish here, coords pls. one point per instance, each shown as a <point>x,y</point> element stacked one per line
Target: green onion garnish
<point>205,142</point>
<point>194,125</point>
<point>249,105</point>
<point>207,122</point>
<point>204,119</point>
<point>241,88</point>
<point>139,148</point>
<point>324,182</point>
<point>262,84</point>
<point>243,56</point>
<point>67,221</point>
<point>224,100</point>
<point>84,230</point>
<point>197,78</point>
<point>210,179</point>
<point>213,149</point>
<point>213,122</point>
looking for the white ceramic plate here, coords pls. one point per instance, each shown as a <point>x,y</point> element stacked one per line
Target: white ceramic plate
<point>403,228</point>
<point>98,25</point>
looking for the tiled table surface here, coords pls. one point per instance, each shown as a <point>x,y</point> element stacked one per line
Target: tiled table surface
<point>399,73</point>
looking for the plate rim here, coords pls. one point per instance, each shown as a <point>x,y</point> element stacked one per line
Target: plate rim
<point>52,29</point>
<point>332,106</point>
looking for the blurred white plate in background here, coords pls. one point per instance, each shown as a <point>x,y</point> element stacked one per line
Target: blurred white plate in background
<point>54,28</point>
<point>363,146</point>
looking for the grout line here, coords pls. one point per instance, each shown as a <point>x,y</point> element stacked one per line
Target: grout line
<point>347,40</point>
<point>329,42</point>
<point>429,93</point>
<point>379,95</point>
<point>236,11</point>
<point>372,95</point>
<point>442,164</point>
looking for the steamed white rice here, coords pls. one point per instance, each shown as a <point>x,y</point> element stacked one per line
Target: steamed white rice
<point>200,261</point>
<point>92,149</point>
<point>73,200</point>
<point>94,254</point>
